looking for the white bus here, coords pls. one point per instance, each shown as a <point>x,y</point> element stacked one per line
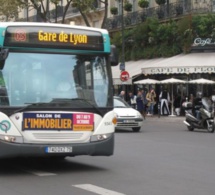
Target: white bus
<point>55,91</point>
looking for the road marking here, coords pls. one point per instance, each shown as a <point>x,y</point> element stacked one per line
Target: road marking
<point>38,173</point>
<point>97,189</point>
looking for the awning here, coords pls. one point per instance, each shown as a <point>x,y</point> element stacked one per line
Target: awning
<point>182,63</point>
<point>134,68</point>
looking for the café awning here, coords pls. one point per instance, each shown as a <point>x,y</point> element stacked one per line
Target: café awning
<point>134,68</point>
<point>183,63</point>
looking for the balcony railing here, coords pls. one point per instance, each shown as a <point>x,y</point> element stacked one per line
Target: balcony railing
<point>52,14</point>
<point>164,12</point>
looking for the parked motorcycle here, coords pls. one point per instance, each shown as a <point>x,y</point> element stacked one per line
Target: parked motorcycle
<point>206,119</point>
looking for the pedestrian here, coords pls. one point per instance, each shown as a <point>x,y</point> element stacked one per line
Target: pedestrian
<point>191,99</point>
<point>143,92</point>
<point>177,104</point>
<point>151,98</point>
<point>140,105</point>
<point>197,103</point>
<point>132,100</point>
<point>122,95</point>
<point>164,99</point>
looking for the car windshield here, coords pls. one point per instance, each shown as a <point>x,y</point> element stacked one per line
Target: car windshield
<point>29,78</point>
<point>120,103</point>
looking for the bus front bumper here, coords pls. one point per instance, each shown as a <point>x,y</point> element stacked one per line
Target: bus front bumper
<point>98,148</point>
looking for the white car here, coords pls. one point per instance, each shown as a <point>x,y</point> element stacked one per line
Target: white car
<point>127,117</point>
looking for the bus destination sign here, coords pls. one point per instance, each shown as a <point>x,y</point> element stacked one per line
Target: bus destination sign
<point>53,37</point>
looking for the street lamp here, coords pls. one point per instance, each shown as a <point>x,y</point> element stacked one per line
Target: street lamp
<point>122,65</point>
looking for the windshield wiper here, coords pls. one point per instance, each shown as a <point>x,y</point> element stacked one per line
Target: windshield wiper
<point>59,100</point>
<point>30,105</point>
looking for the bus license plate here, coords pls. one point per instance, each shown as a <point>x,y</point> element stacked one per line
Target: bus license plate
<point>58,149</point>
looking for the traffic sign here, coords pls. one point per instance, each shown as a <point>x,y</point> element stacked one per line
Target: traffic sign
<point>124,76</point>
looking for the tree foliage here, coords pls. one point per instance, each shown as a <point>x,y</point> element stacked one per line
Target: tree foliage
<point>9,9</point>
<point>87,6</point>
<point>152,39</point>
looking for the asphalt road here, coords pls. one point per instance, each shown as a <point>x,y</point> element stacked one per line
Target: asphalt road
<point>163,159</point>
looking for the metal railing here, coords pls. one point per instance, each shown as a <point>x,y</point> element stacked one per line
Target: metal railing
<point>164,12</point>
<point>52,14</point>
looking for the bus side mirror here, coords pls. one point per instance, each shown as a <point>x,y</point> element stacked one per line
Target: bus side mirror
<point>114,58</point>
<point>3,57</point>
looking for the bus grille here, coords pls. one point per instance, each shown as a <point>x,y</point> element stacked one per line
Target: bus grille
<point>57,136</point>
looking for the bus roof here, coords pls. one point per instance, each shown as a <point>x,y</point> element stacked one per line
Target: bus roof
<point>54,36</point>
<point>6,24</point>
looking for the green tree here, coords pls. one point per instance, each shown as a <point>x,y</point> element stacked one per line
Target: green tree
<point>87,6</point>
<point>42,8</point>
<point>185,33</point>
<point>9,9</point>
<point>203,25</point>
<point>83,6</point>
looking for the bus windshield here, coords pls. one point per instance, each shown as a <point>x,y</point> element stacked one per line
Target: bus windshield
<point>43,77</point>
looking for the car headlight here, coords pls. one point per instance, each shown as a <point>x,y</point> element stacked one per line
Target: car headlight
<point>139,115</point>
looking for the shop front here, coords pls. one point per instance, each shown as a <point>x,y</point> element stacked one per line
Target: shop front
<point>186,67</point>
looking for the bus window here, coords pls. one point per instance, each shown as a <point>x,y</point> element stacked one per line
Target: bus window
<point>100,81</point>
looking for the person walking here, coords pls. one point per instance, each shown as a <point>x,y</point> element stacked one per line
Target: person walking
<point>145,101</point>
<point>165,99</point>
<point>122,95</point>
<point>140,105</point>
<point>132,100</point>
<point>151,98</point>
<point>177,104</point>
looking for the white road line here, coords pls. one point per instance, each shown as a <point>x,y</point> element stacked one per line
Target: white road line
<point>97,190</point>
<point>38,173</point>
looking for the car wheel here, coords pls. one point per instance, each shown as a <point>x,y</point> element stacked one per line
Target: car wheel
<point>136,129</point>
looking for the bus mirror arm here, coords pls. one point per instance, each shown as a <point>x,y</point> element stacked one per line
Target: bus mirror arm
<point>114,58</point>
<point>3,57</point>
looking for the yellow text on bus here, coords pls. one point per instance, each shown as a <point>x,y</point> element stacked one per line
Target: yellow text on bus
<point>62,37</point>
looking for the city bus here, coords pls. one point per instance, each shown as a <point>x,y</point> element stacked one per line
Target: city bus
<point>56,96</point>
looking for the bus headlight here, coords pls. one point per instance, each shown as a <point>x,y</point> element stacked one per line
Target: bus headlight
<point>11,138</point>
<point>100,137</point>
